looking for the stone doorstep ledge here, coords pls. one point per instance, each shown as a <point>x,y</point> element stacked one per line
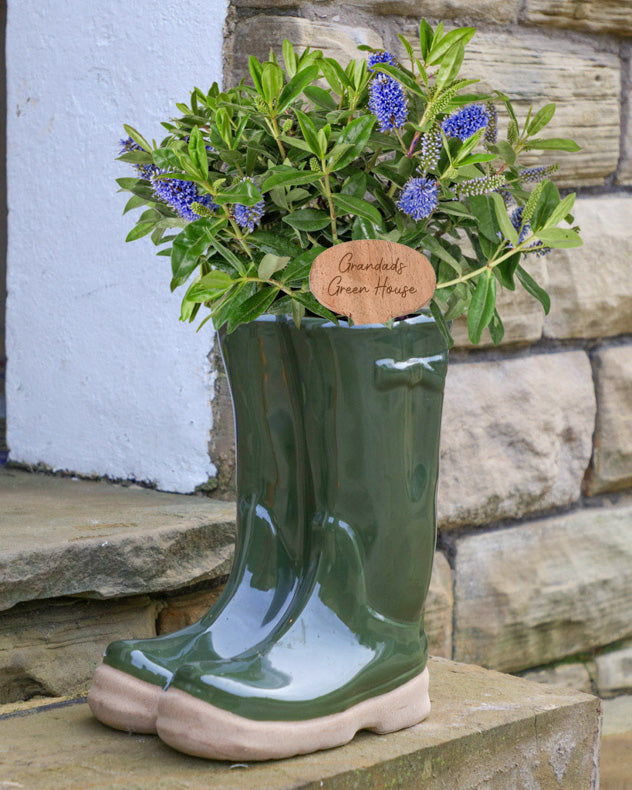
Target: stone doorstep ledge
<point>66,537</point>
<point>486,730</point>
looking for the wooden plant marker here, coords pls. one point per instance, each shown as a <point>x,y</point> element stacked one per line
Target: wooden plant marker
<point>372,280</point>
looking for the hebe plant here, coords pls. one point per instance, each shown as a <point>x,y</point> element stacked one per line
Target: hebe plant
<point>252,183</point>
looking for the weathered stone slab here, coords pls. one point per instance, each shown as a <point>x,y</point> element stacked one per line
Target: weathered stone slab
<point>255,35</point>
<point>184,610</point>
<point>572,676</point>
<point>521,314</point>
<point>595,16</point>
<point>494,11</point>
<point>438,617</point>
<point>590,286</point>
<point>545,590</point>
<point>53,649</point>
<point>516,436</point>
<point>612,457</point>
<point>486,730</point>
<point>624,174</point>
<point>614,672</point>
<point>581,78</point>
<point>61,536</point>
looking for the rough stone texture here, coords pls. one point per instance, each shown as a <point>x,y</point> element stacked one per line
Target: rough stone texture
<point>486,730</point>
<point>624,175</point>
<point>582,79</point>
<point>595,16</point>
<point>572,676</point>
<point>222,444</point>
<point>516,436</point>
<point>542,591</point>
<point>521,314</point>
<point>438,617</point>
<point>612,457</point>
<point>53,649</point>
<point>494,11</point>
<point>614,672</point>
<point>184,610</point>
<point>255,35</point>
<point>617,715</point>
<point>590,286</point>
<point>62,536</point>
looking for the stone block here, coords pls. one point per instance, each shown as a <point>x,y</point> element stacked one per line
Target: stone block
<point>521,314</point>
<point>256,35</point>
<point>516,436</point>
<point>594,16</point>
<point>537,593</point>
<point>62,536</point>
<point>487,731</point>
<point>491,11</point>
<point>624,174</point>
<point>438,617</point>
<point>184,610</point>
<point>590,286</point>
<point>572,676</point>
<point>612,456</point>
<point>53,649</point>
<point>614,672</point>
<point>581,78</point>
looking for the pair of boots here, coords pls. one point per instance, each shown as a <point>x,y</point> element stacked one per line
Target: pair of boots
<point>319,631</point>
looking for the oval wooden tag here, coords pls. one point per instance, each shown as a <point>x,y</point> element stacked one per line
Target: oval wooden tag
<point>372,280</point>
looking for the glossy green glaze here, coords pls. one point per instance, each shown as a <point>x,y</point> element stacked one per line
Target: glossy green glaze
<point>371,400</point>
<point>271,510</point>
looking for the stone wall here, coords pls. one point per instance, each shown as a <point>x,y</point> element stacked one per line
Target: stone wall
<point>535,503</point>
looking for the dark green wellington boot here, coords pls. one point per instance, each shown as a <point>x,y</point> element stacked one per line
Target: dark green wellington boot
<point>270,533</point>
<point>351,652</point>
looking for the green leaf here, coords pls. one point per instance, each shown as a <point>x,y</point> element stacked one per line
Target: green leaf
<point>406,80</point>
<point>425,38</point>
<point>439,47</point>
<point>482,306</point>
<point>555,144</point>
<point>436,248</point>
<point>298,312</point>
<point>505,150</point>
<point>135,158</point>
<point>134,202</point>
<point>308,300</point>
<point>355,135</point>
<point>296,85</point>
<point>187,248</point>
<point>271,263</point>
<point>506,226</point>
<point>273,242</point>
<point>254,67</point>
<point>483,209</point>
<point>548,200</point>
<point>474,158</point>
<point>358,207</point>
<point>450,65</point>
<point>252,308</point>
<point>243,192</point>
<point>271,82</point>
<point>287,176</point>
<point>228,255</point>
<point>209,287</point>
<point>137,137</point>
<point>165,158</point>
<point>140,230</point>
<point>407,46</point>
<point>289,57</point>
<point>530,285</point>
<point>355,185</point>
<point>197,152</point>
<point>496,329</point>
<point>309,132</point>
<point>308,219</point>
<point>560,211</point>
<point>320,97</point>
<point>505,271</point>
<point>442,324</point>
<point>541,119</point>
<point>559,237</point>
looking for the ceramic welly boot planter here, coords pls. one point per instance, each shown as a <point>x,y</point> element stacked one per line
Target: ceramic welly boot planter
<point>351,651</point>
<point>339,196</point>
<point>270,536</point>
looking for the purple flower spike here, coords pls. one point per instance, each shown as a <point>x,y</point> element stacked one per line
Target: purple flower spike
<point>388,102</point>
<point>465,122</point>
<point>419,198</point>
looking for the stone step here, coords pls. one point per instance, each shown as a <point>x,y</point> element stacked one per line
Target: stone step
<point>83,563</point>
<point>486,730</point>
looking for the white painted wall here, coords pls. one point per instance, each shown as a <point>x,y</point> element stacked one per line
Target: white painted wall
<point>102,378</point>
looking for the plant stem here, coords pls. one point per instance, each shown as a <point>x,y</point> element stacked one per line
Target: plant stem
<point>489,265</point>
<point>276,134</point>
<point>413,144</point>
<point>332,213</point>
<point>274,283</point>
